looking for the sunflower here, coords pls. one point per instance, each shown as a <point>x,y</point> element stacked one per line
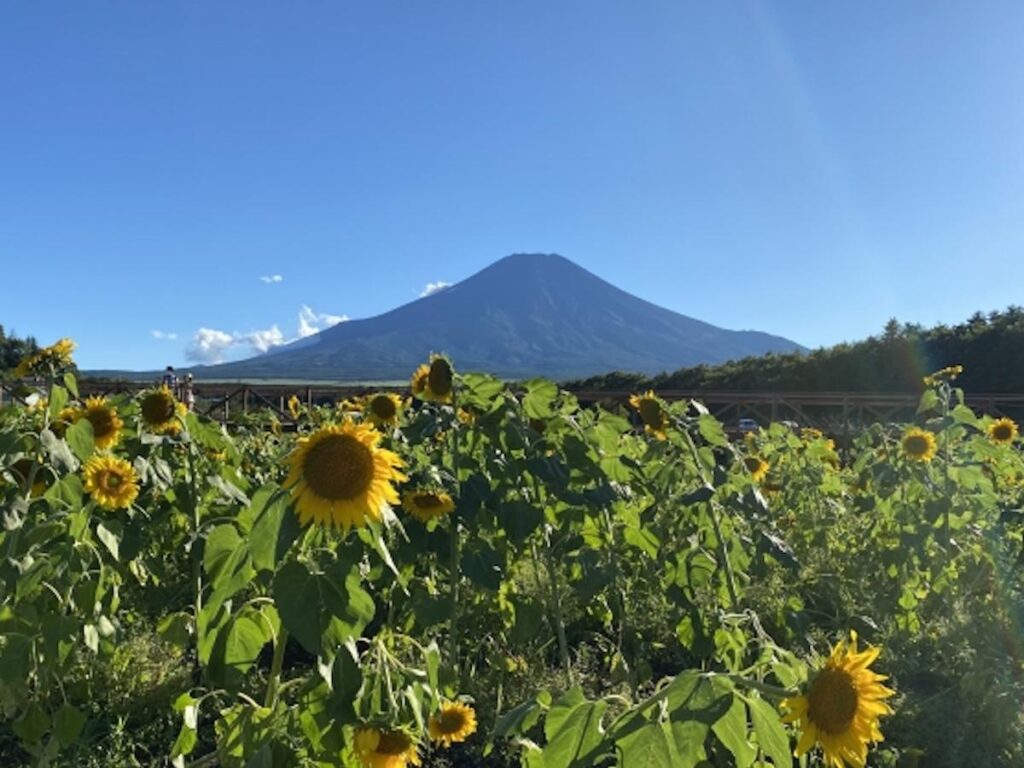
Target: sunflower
<point>1002,431</point>
<point>294,407</point>
<point>161,411</point>
<point>420,379</point>
<point>339,476</point>
<point>433,381</point>
<point>810,434</point>
<point>919,445</point>
<point>440,378</point>
<point>757,467</point>
<point>382,408</point>
<point>106,424</point>
<point>22,469</point>
<point>378,748</point>
<point>841,707</point>
<point>454,723</point>
<point>110,481</point>
<point>426,504</point>
<point>651,413</point>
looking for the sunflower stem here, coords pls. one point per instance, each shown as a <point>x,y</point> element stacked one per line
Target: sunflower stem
<point>274,681</point>
<point>454,553</point>
<point>723,553</point>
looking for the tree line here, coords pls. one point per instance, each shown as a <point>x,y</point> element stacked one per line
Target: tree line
<point>990,347</point>
<point>13,349</point>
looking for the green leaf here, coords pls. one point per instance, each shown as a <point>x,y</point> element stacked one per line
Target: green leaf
<point>110,532</point>
<point>58,451</point>
<point>32,725</point>
<point>67,724</point>
<point>58,399</point>
<point>929,402</point>
<point>688,739</point>
<point>711,430</point>
<point>274,527</point>
<point>771,736</point>
<point>539,399</point>
<point>578,739</point>
<point>646,748</point>
<point>322,610</point>
<point>731,730</point>
<point>70,383</point>
<point>176,629</point>
<point>237,647</point>
<point>80,438</point>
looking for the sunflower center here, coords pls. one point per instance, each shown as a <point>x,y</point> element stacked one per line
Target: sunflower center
<point>111,481</point>
<point>428,500</point>
<point>393,743</point>
<point>832,701</point>
<point>451,721</point>
<point>1002,432</point>
<point>650,412</point>
<point>339,467</point>
<point>915,445</point>
<point>158,408</point>
<point>383,407</point>
<point>102,421</point>
<point>440,377</point>
<point>753,464</point>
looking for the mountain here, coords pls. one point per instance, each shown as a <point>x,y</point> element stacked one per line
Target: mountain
<point>525,315</point>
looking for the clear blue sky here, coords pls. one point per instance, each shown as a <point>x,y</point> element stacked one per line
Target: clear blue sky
<point>807,169</point>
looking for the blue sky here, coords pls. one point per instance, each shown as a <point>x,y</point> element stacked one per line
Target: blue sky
<point>807,169</point>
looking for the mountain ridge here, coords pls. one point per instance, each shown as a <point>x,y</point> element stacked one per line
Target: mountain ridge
<point>524,315</point>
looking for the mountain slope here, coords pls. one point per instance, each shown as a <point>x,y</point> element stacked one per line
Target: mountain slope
<point>525,315</point>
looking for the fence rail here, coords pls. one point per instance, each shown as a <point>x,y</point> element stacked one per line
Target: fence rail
<point>834,410</point>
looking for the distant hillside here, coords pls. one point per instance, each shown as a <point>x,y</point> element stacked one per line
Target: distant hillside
<point>525,315</point>
<point>990,347</point>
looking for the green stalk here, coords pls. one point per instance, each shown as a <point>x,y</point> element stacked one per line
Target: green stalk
<point>454,549</point>
<point>723,554</point>
<point>274,682</point>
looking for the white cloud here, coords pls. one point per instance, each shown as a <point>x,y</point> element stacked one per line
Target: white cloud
<point>261,341</point>
<point>433,288</point>
<point>268,279</point>
<point>311,322</point>
<point>164,335</point>
<point>211,346</point>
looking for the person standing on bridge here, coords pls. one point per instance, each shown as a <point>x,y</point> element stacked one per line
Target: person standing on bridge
<point>188,395</point>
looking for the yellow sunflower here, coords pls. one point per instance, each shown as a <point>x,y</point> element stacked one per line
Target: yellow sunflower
<point>339,476</point>
<point>425,504</point>
<point>294,407</point>
<point>434,381</point>
<point>382,408</point>
<point>454,723</point>
<point>757,467</point>
<point>919,445</point>
<point>57,355</point>
<point>841,707</point>
<point>111,481</point>
<point>161,411</point>
<point>106,424</point>
<point>22,469</point>
<point>419,381</point>
<point>1002,431</point>
<point>651,413</point>
<point>378,748</point>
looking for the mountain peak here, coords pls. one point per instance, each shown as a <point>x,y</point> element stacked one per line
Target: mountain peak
<point>527,314</point>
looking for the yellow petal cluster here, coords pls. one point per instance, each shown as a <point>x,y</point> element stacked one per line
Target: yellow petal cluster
<point>339,476</point>
<point>841,707</point>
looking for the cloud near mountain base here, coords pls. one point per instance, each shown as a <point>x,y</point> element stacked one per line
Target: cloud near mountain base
<point>210,345</point>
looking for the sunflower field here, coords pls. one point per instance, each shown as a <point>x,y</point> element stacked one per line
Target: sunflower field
<point>489,574</point>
